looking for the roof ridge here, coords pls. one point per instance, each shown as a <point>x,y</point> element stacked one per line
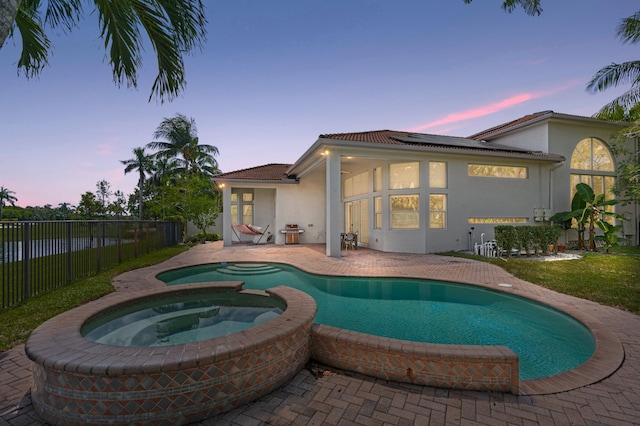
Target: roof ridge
<point>523,119</point>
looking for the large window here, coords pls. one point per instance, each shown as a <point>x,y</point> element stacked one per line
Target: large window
<point>377,179</point>
<point>592,154</point>
<point>488,170</point>
<point>496,220</point>
<point>356,185</point>
<point>242,207</point>
<point>437,211</point>
<point>437,174</point>
<point>592,163</point>
<point>405,211</point>
<point>404,175</point>
<point>377,212</point>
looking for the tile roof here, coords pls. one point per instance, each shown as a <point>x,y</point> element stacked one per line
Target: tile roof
<point>431,142</point>
<point>497,129</point>
<point>273,172</point>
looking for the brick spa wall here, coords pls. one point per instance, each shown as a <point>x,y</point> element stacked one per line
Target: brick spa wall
<point>80,382</point>
<point>493,368</point>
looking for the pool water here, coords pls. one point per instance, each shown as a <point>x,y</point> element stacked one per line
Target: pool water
<point>181,319</point>
<point>546,340</point>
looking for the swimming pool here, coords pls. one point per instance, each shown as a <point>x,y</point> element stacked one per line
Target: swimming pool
<point>546,340</point>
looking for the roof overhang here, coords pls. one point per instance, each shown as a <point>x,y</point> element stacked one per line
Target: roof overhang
<point>314,155</point>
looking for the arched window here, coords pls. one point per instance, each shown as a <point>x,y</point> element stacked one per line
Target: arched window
<point>592,163</point>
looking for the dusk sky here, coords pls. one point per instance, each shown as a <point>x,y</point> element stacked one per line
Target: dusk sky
<point>274,75</point>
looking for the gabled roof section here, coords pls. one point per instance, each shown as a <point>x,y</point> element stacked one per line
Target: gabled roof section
<point>267,173</point>
<point>485,134</point>
<point>531,119</point>
<point>427,142</point>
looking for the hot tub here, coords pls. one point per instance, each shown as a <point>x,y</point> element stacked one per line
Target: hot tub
<point>80,381</point>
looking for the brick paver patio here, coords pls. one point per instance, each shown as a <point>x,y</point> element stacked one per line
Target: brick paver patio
<point>319,395</point>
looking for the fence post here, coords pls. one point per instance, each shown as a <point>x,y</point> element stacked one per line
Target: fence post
<point>69,254</point>
<point>119,242</point>
<point>26,260</point>
<point>100,233</point>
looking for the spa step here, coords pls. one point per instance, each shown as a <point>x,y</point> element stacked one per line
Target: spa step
<point>253,270</point>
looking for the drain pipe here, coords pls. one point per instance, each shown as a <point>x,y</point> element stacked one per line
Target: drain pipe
<point>551,170</point>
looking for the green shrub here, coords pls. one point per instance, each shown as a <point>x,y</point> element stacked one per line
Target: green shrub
<point>201,237</point>
<point>527,237</point>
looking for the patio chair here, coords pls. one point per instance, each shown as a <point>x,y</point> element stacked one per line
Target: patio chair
<point>255,232</point>
<point>350,241</point>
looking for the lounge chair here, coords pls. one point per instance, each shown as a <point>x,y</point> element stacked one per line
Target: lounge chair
<point>255,232</point>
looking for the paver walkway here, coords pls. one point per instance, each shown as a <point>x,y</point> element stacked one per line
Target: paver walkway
<point>323,396</point>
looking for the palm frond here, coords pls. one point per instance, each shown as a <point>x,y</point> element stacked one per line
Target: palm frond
<point>614,75</point>
<point>530,7</point>
<point>188,21</point>
<point>623,102</point>
<point>629,29</point>
<point>170,79</point>
<point>63,13</point>
<point>35,43</point>
<point>119,29</point>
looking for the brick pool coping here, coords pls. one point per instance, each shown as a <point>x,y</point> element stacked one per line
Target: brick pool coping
<point>77,381</point>
<point>608,355</point>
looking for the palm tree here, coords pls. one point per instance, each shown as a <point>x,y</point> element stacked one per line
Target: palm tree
<point>616,74</point>
<point>179,141</point>
<point>143,164</point>
<point>163,169</point>
<point>174,28</point>
<point>6,195</point>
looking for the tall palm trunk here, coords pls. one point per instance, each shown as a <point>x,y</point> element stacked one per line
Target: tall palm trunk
<point>8,11</point>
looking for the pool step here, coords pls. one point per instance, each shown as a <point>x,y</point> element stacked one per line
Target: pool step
<point>248,269</point>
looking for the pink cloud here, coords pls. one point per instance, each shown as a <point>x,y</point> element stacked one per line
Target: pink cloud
<point>494,107</point>
<point>476,112</point>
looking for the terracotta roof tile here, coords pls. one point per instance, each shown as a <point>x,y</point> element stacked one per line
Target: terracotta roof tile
<point>275,172</point>
<point>428,141</point>
<point>487,133</point>
<point>375,136</point>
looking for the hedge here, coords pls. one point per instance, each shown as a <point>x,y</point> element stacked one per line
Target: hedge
<point>525,238</point>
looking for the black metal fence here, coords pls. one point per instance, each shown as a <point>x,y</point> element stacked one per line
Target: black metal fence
<point>39,256</point>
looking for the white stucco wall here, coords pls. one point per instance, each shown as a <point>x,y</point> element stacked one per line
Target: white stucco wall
<point>534,138</point>
<point>303,204</point>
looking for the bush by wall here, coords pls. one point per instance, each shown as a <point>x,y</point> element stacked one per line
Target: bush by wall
<point>525,238</point>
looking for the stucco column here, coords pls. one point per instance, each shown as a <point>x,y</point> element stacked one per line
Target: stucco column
<point>227,235</point>
<point>333,204</point>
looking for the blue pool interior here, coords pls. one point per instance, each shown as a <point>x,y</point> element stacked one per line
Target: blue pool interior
<point>173,320</point>
<point>546,340</point>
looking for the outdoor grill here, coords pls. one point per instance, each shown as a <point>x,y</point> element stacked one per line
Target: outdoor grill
<point>292,234</point>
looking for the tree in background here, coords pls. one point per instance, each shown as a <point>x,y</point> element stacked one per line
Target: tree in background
<point>103,194</point>
<point>89,207</point>
<point>143,164</point>
<point>625,107</point>
<point>178,141</point>
<point>118,206</point>
<point>64,211</point>
<point>174,28</point>
<point>193,198</point>
<point>6,196</point>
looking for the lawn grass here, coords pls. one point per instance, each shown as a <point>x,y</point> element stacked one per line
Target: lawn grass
<point>17,323</point>
<point>612,279</point>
